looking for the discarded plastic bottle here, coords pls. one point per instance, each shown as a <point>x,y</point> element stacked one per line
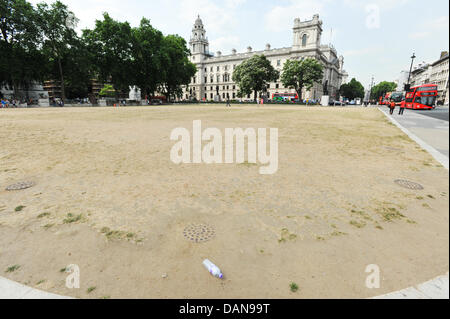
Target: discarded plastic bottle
<point>213,269</point>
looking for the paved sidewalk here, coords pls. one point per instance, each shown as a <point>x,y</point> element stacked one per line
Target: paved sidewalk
<point>12,290</point>
<point>431,130</point>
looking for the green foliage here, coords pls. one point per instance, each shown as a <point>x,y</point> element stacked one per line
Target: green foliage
<point>21,61</point>
<point>353,89</point>
<point>107,91</point>
<point>253,74</point>
<point>110,44</point>
<point>60,44</point>
<point>299,74</point>
<point>178,70</point>
<point>382,88</point>
<point>40,43</point>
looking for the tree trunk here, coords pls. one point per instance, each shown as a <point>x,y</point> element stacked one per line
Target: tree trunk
<point>299,93</point>
<point>63,89</point>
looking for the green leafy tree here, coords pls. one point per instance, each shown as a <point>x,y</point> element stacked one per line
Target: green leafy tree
<point>147,62</point>
<point>353,89</point>
<point>110,44</point>
<point>21,61</point>
<point>299,74</point>
<point>253,74</point>
<point>382,88</point>
<point>177,70</point>
<point>58,24</point>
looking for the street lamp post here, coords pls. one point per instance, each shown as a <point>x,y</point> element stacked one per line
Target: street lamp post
<point>371,87</point>
<point>410,69</point>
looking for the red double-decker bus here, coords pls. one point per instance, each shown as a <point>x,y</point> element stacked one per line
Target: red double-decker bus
<point>422,97</point>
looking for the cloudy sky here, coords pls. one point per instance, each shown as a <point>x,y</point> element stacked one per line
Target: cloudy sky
<point>376,37</point>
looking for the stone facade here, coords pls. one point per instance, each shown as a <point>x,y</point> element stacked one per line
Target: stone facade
<point>440,75</point>
<point>213,80</point>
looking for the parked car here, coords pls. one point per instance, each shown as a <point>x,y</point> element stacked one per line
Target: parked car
<point>336,103</point>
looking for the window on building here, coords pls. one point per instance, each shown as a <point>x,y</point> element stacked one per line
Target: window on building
<point>277,86</point>
<point>206,70</point>
<point>228,87</point>
<point>234,95</point>
<point>206,79</point>
<point>278,62</point>
<point>212,79</point>
<point>224,87</point>
<point>225,67</point>
<point>211,95</point>
<point>223,95</point>
<point>234,87</point>
<point>211,69</point>
<point>218,68</point>
<point>218,78</point>
<point>304,38</point>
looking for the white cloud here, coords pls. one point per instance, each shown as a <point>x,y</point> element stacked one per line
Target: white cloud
<point>224,43</point>
<point>382,4</point>
<point>431,27</point>
<point>281,18</point>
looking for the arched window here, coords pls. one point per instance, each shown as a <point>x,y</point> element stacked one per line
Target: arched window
<point>304,38</point>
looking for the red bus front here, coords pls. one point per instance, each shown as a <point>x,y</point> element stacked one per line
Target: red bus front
<point>422,97</point>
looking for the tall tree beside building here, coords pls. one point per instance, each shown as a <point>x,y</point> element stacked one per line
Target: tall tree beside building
<point>253,75</point>
<point>147,57</point>
<point>299,74</point>
<point>177,70</point>
<point>352,90</point>
<point>110,44</point>
<point>382,88</point>
<point>21,62</point>
<point>57,24</point>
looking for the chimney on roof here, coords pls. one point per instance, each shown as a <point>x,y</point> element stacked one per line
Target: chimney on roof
<point>267,47</point>
<point>233,51</point>
<point>249,49</point>
<point>218,53</point>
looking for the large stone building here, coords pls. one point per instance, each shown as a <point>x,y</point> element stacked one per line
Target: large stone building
<point>440,76</point>
<point>213,80</point>
<point>434,73</point>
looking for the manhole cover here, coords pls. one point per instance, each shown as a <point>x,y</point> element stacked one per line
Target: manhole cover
<point>408,184</point>
<point>20,186</point>
<point>198,233</point>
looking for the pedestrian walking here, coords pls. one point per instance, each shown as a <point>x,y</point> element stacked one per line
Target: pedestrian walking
<point>402,108</point>
<point>228,101</point>
<point>391,107</point>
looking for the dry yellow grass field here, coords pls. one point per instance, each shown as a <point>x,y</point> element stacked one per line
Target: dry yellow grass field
<point>108,198</point>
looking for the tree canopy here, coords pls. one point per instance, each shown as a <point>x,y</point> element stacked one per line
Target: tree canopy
<point>352,90</point>
<point>41,43</point>
<point>299,74</point>
<point>253,74</point>
<point>382,88</point>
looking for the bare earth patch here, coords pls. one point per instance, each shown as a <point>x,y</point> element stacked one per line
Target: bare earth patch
<point>108,198</point>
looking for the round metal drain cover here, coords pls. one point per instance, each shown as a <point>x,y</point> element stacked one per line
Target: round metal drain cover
<point>198,233</point>
<point>20,186</point>
<point>408,184</point>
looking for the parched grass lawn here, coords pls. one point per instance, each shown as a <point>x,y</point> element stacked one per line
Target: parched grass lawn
<point>108,199</point>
